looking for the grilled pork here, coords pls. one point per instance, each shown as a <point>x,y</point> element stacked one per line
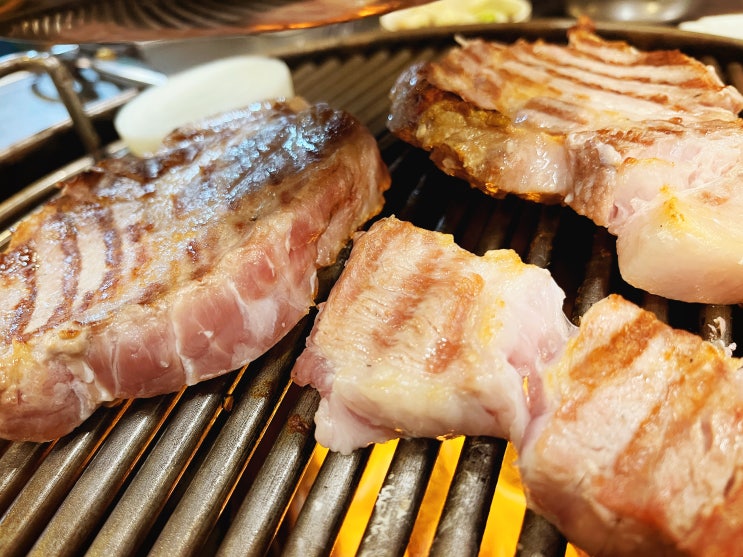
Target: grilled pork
<point>629,432</point>
<point>420,338</point>
<point>145,275</point>
<point>639,450</point>
<point>647,144</point>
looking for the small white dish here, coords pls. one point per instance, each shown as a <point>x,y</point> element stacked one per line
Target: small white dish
<point>728,25</point>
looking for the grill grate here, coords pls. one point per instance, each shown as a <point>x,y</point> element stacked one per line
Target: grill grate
<point>212,469</point>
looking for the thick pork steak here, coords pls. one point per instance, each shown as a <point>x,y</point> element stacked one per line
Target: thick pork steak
<point>145,275</point>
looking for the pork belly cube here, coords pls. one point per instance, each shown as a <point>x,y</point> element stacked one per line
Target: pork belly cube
<point>421,338</point>
<point>640,448</point>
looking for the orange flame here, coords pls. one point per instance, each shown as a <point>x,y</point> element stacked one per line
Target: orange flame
<point>500,537</point>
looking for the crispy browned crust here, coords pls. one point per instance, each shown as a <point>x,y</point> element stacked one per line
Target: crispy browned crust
<point>457,133</point>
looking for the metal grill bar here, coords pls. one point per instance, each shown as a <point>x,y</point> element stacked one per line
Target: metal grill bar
<point>189,526</point>
<point>63,81</point>
<point>56,475</point>
<point>465,513</point>
<point>17,465</point>
<point>259,517</point>
<point>326,505</point>
<point>396,509</point>
<point>598,274</point>
<point>82,510</point>
<point>539,538</point>
<point>712,316</point>
<point>658,305</point>
<point>130,521</point>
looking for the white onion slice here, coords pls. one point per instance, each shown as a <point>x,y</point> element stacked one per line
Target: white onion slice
<point>456,12</point>
<point>199,92</point>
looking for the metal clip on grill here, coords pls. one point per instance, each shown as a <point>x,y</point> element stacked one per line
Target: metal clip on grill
<point>212,469</point>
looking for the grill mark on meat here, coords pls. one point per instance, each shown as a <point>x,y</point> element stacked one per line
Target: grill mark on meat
<point>690,392</point>
<point>263,161</point>
<point>193,250</point>
<point>660,58</point>
<point>420,282</point>
<point>70,269</point>
<point>145,170</point>
<point>563,69</point>
<point>417,284</point>
<point>636,136</point>
<point>151,292</point>
<point>561,66</point>
<point>558,109</point>
<point>113,256</point>
<point>715,198</point>
<point>112,241</point>
<point>197,252</point>
<point>610,360</point>
<point>134,234</point>
<point>21,263</point>
<point>275,152</point>
<point>450,66</point>
<point>585,42</point>
<point>136,231</point>
<point>372,257</point>
<point>449,345</point>
<point>512,76</point>
<point>701,375</point>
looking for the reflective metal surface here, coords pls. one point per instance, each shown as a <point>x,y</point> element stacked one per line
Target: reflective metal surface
<point>631,10</point>
<point>102,21</point>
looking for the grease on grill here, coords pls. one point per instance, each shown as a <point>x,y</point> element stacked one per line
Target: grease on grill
<point>296,424</point>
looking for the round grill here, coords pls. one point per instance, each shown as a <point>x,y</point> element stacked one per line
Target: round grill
<point>140,20</point>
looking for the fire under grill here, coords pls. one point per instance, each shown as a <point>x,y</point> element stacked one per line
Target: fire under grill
<point>214,468</point>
